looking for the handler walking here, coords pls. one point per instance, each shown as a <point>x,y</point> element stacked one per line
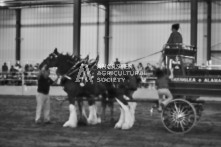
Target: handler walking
<point>42,97</point>
<point>163,91</point>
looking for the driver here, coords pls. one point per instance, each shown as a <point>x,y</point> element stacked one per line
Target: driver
<point>175,41</point>
<point>175,36</point>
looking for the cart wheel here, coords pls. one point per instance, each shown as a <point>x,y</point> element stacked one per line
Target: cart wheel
<point>179,116</point>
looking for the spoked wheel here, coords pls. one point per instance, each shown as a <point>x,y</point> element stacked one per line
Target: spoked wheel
<point>179,116</point>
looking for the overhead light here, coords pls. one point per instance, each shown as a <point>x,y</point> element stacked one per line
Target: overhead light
<point>2,4</point>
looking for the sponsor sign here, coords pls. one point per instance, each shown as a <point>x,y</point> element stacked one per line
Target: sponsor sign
<point>196,80</point>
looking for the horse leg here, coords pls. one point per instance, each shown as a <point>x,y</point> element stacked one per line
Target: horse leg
<point>93,119</point>
<point>107,101</point>
<point>72,121</point>
<point>120,122</point>
<point>127,114</point>
<point>112,110</point>
<point>104,106</point>
<point>82,114</point>
<point>132,107</point>
<point>99,108</point>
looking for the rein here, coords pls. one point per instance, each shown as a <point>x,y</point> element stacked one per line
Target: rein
<point>144,57</point>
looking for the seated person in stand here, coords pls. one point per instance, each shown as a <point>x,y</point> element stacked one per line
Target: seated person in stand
<point>140,67</point>
<point>4,72</point>
<point>4,67</point>
<point>117,63</point>
<point>26,67</point>
<point>148,67</point>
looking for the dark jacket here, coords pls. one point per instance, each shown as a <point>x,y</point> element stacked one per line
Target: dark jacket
<point>5,68</point>
<point>44,84</point>
<point>162,82</point>
<point>175,37</point>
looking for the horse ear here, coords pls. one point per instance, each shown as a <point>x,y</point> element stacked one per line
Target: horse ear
<point>56,51</point>
<point>87,58</point>
<point>97,59</point>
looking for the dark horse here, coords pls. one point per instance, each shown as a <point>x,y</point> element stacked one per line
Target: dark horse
<point>123,91</point>
<point>68,67</point>
<point>88,86</point>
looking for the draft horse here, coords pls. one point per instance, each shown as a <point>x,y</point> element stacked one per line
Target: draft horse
<point>66,64</point>
<point>69,66</point>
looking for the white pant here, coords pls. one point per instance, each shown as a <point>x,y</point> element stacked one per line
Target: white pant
<point>164,92</point>
<point>43,104</point>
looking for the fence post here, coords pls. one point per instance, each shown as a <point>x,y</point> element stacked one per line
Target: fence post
<point>23,81</point>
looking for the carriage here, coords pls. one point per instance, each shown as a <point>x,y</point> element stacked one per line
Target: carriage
<point>188,84</point>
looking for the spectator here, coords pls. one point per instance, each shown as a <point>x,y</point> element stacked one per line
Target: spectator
<point>140,67</point>
<point>18,67</point>
<point>31,68</point>
<point>133,67</point>
<point>12,69</point>
<point>18,64</point>
<point>26,67</point>
<point>148,68</point>
<point>117,63</point>
<point>4,73</point>
<point>36,66</point>
<point>4,67</point>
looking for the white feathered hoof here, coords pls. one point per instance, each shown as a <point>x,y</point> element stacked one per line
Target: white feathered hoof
<point>121,120</point>
<point>128,119</point>
<point>93,119</point>
<point>132,111</point>
<point>118,125</point>
<point>91,122</point>
<point>69,124</point>
<point>98,120</point>
<point>126,126</point>
<point>72,121</point>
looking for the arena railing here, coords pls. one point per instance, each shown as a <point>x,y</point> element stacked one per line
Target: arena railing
<point>20,78</point>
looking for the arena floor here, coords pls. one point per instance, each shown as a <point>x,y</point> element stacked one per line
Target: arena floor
<point>17,128</point>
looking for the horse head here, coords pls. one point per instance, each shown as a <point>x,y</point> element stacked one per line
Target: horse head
<point>51,60</point>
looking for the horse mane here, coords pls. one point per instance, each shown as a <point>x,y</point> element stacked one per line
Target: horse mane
<point>65,62</point>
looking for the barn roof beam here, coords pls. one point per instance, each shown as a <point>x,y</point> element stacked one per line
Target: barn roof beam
<point>77,27</point>
<point>194,22</point>
<point>209,20</point>
<point>18,35</point>
<point>107,32</point>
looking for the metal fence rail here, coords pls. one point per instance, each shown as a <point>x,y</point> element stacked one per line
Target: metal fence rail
<point>20,78</point>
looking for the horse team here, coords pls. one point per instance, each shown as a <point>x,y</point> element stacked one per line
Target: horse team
<point>79,79</point>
